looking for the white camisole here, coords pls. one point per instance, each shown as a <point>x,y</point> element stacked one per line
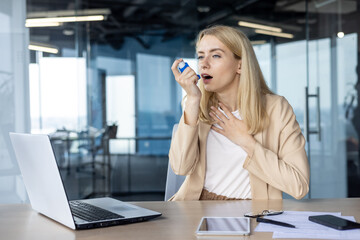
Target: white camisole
<point>224,172</point>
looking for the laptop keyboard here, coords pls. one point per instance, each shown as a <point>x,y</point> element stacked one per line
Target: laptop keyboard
<point>90,212</point>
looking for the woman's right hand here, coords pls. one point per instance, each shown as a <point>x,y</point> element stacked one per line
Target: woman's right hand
<point>187,80</point>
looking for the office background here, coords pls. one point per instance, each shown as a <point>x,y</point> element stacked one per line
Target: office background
<point>106,91</point>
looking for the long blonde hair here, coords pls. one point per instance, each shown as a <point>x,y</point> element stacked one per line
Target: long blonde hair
<point>252,86</point>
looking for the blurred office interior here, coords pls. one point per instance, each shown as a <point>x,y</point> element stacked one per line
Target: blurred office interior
<point>95,75</point>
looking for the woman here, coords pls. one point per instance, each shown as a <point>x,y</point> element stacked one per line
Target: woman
<point>236,139</point>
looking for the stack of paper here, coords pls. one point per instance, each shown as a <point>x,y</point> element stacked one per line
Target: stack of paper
<point>305,228</point>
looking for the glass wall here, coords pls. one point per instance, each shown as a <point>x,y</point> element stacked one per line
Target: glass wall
<point>14,95</point>
<point>333,59</point>
<point>107,97</point>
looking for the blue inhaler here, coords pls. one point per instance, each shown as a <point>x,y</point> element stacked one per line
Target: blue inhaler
<point>183,65</point>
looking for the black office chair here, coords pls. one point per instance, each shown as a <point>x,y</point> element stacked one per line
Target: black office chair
<point>91,143</point>
<point>94,145</point>
<point>61,141</point>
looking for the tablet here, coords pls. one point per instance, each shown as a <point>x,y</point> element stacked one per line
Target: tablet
<point>224,226</point>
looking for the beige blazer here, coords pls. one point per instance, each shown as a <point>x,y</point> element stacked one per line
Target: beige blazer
<point>278,164</point>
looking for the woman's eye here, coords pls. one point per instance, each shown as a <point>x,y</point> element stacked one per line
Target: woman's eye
<point>200,57</point>
<point>216,56</point>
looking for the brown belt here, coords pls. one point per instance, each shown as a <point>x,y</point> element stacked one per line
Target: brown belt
<point>206,195</point>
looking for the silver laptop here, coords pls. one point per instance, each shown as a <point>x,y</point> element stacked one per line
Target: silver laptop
<point>47,195</point>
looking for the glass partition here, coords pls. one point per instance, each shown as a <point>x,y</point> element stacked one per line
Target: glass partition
<point>332,80</point>
<point>14,97</point>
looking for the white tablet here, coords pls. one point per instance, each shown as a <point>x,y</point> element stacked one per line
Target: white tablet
<point>224,226</point>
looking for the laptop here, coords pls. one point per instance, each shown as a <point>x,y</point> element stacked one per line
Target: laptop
<point>47,194</point>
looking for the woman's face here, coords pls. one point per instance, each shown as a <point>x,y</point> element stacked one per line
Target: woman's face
<point>219,69</point>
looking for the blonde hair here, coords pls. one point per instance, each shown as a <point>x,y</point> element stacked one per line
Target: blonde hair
<point>252,86</point>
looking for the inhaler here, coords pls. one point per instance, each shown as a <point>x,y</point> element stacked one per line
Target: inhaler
<point>183,65</point>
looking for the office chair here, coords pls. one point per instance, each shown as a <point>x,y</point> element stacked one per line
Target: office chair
<point>95,144</point>
<point>173,181</point>
<point>62,141</point>
<point>91,143</point>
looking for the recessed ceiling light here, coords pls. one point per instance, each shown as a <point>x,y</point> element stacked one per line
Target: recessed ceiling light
<point>68,32</point>
<point>340,34</point>
<point>48,24</point>
<point>43,48</point>
<point>258,42</point>
<point>203,9</point>
<point>34,21</point>
<point>259,26</point>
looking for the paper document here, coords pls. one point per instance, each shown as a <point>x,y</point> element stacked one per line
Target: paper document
<point>305,228</point>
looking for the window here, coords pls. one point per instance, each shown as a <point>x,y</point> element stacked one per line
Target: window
<point>58,94</point>
<point>120,110</point>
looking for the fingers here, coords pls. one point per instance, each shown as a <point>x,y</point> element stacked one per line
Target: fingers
<point>219,114</point>
<point>188,73</point>
<point>226,110</point>
<point>216,129</point>
<point>174,68</point>
<point>216,119</point>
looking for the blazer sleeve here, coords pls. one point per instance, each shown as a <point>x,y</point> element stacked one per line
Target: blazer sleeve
<point>288,169</point>
<point>184,148</point>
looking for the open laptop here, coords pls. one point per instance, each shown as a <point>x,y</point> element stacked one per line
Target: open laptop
<point>47,195</point>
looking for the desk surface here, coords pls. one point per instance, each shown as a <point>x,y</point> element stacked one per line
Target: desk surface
<point>179,219</point>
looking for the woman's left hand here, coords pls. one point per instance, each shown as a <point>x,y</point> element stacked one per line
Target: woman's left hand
<point>232,128</point>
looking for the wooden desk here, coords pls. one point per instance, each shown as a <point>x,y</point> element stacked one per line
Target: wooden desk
<point>179,219</point>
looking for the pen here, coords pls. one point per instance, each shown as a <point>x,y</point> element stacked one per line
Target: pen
<point>265,220</point>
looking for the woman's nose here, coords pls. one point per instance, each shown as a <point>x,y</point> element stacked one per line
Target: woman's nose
<point>204,64</point>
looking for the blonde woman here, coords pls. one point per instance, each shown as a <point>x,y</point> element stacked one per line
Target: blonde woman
<point>236,139</point>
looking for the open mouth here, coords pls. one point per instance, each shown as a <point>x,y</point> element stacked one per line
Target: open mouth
<point>206,76</point>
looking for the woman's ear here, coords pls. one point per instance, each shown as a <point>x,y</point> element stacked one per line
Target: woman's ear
<point>239,67</point>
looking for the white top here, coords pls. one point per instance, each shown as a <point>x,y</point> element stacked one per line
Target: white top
<point>224,172</point>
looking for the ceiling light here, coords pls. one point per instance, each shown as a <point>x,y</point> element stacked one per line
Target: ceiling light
<point>277,34</point>
<point>49,24</point>
<point>68,32</point>
<point>69,13</point>
<point>66,19</point>
<point>203,9</point>
<point>43,48</point>
<point>323,3</point>
<point>258,42</point>
<point>340,34</point>
<point>259,26</point>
